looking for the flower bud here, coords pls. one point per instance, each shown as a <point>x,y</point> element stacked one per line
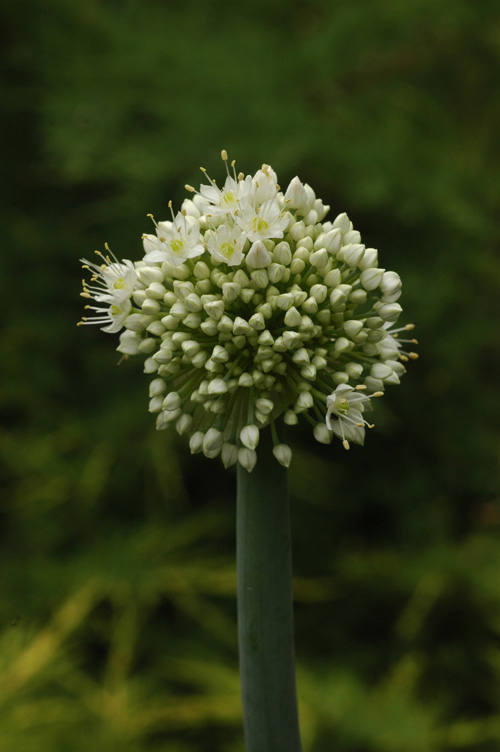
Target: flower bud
<point>249,436</point>
<point>213,440</point>
<point>172,401</point>
<point>184,423</point>
<point>258,257</point>
<point>149,274</point>
<point>229,454</point>
<point>297,231</point>
<point>246,380</point>
<point>369,259</point>
<point>333,278</point>
<point>322,433</point>
<point>260,278</point>
<point>282,254</point>
<point>390,283</point>
<point>247,458</point>
<point>265,406</point>
<point>214,309</point>
<point>155,404</point>
<point>157,387</point>
<point>156,291</point>
<point>342,223</point>
<point>201,270</point>
<point>371,278</point>
<point>283,454</point>
<point>389,311</point>
<point>352,254</point>
<point>293,317</point>
<point>319,258</point>
<point>304,402</point>
<point>290,418</point>
<point>381,371</point>
<point>296,196</point>
<point>196,442</point>
<point>353,327</point>
<point>217,386</point>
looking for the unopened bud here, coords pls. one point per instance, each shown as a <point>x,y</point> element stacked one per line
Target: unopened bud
<point>283,454</point>
<point>249,436</point>
<point>258,257</point>
<point>247,458</point>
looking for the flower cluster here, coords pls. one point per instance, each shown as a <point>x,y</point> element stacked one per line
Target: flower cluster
<point>249,307</point>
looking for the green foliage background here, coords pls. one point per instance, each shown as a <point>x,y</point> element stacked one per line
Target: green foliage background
<point>117,586</point>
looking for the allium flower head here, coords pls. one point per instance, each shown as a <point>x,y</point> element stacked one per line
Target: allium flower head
<point>249,307</point>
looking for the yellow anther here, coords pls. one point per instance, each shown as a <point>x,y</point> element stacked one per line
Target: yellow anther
<point>346,444</point>
<point>189,188</point>
<point>409,327</point>
<point>413,355</point>
<point>377,394</point>
<point>361,387</point>
<point>224,155</point>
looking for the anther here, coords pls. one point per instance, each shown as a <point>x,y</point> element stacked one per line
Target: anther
<point>346,444</point>
<point>360,387</point>
<point>224,155</point>
<point>413,355</point>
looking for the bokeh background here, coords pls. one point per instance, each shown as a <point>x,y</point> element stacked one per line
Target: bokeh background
<point>117,580</point>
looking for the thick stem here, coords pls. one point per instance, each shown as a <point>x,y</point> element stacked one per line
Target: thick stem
<point>265,618</point>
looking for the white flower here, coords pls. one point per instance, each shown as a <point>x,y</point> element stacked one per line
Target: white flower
<point>226,243</point>
<point>217,201</point>
<point>343,415</point>
<point>267,221</point>
<point>111,285</point>
<point>175,241</point>
<point>264,186</point>
<point>250,311</point>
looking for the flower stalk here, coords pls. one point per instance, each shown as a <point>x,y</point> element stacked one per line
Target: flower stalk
<point>265,616</point>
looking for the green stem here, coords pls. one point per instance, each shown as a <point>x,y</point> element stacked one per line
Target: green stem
<point>265,618</point>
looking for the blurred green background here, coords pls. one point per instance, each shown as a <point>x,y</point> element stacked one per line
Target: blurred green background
<point>117,581</point>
